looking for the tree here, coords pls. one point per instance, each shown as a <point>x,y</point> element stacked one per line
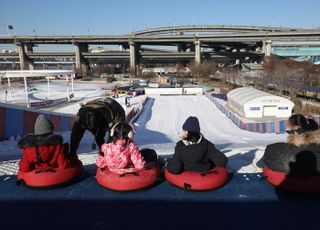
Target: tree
<point>202,70</point>
<point>148,76</point>
<point>182,74</point>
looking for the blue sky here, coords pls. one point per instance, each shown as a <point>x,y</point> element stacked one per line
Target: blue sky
<point>123,16</point>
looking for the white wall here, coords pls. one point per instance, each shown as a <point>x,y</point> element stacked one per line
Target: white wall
<point>283,110</point>
<point>153,91</point>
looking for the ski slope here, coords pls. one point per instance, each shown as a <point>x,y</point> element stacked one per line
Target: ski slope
<point>159,127</point>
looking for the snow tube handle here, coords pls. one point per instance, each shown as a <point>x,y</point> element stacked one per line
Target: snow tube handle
<point>187,186</point>
<point>134,173</point>
<point>20,182</point>
<point>208,172</point>
<point>264,178</point>
<point>45,170</point>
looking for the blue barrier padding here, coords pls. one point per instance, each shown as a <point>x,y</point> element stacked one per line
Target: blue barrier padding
<point>14,124</point>
<point>272,127</point>
<point>282,126</point>
<point>64,121</point>
<point>264,127</point>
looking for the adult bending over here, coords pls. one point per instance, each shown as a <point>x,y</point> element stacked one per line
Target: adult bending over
<point>97,116</point>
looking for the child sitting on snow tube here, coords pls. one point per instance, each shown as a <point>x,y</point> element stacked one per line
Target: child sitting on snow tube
<point>296,164</point>
<point>198,158</point>
<point>121,166</point>
<point>44,152</point>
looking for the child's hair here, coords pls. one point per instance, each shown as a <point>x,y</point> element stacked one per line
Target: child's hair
<point>192,137</point>
<point>304,124</point>
<point>121,130</point>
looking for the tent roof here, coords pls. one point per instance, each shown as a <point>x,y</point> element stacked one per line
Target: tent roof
<point>243,95</point>
<point>33,73</point>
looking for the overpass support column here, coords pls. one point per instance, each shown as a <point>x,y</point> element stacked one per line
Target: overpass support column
<point>133,58</point>
<point>197,57</point>
<point>30,62</point>
<point>81,64</point>
<point>267,45</point>
<point>24,61</point>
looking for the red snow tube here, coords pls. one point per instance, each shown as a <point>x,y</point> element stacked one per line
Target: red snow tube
<point>294,184</point>
<point>127,181</point>
<point>50,177</point>
<point>196,181</point>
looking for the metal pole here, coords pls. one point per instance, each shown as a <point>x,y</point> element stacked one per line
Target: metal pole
<point>72,76</point>
<point>26,90</point>
<point>48,82</point>
<point>67,81</point>
<point>9,84</point>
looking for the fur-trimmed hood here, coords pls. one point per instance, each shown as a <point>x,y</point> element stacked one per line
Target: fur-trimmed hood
<point>30,140</point>
<point>306,138</point>
<point>185,142</point>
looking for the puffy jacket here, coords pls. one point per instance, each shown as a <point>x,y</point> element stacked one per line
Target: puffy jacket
<point>199,157</point>
<point>97,116</point>
<point>300,156</point>
<point>43,152</point>
<point>121,157</point>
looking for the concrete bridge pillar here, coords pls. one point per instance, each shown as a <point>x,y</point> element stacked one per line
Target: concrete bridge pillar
<point>30,50</point>
<point>197,57</point>
<point>25,62</point>
<point>267,45</point>
<point>81,64</point>
<point>133,58</point>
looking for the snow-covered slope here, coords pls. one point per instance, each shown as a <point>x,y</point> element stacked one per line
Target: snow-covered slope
<point>160,124</point>
<point>159,127</point>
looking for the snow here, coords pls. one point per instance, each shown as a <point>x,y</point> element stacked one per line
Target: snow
<point>9,153</point>
<point>159,127</point>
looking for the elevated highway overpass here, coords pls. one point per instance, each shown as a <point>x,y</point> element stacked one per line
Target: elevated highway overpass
<point>218,42</point>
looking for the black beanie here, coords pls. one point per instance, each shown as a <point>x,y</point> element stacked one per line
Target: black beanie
<point>192,125</point>
<point>43,125</point>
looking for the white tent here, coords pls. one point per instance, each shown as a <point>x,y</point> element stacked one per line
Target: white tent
<point>37,73</point>
<point>252,103</point>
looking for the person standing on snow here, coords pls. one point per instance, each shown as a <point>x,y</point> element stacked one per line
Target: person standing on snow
<point>195,153</point>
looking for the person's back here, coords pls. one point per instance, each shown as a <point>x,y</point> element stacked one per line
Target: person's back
<point>97,116</point>
<point>300,156</point>
<point>43,149</point>
<point>194,152</point>
<point>121,155</point>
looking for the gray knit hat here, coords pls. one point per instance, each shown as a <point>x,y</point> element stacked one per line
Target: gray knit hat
<point>43,125</point>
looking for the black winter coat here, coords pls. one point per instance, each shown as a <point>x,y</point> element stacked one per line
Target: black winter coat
<point>199,157</point>
<point>97,116</point>
<point>299,157</point>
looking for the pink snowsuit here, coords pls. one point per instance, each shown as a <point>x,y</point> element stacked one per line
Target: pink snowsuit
<point>120,158</point>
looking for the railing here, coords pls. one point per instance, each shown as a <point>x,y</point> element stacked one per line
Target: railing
<point>259,127</point>
<point>16,121</point>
